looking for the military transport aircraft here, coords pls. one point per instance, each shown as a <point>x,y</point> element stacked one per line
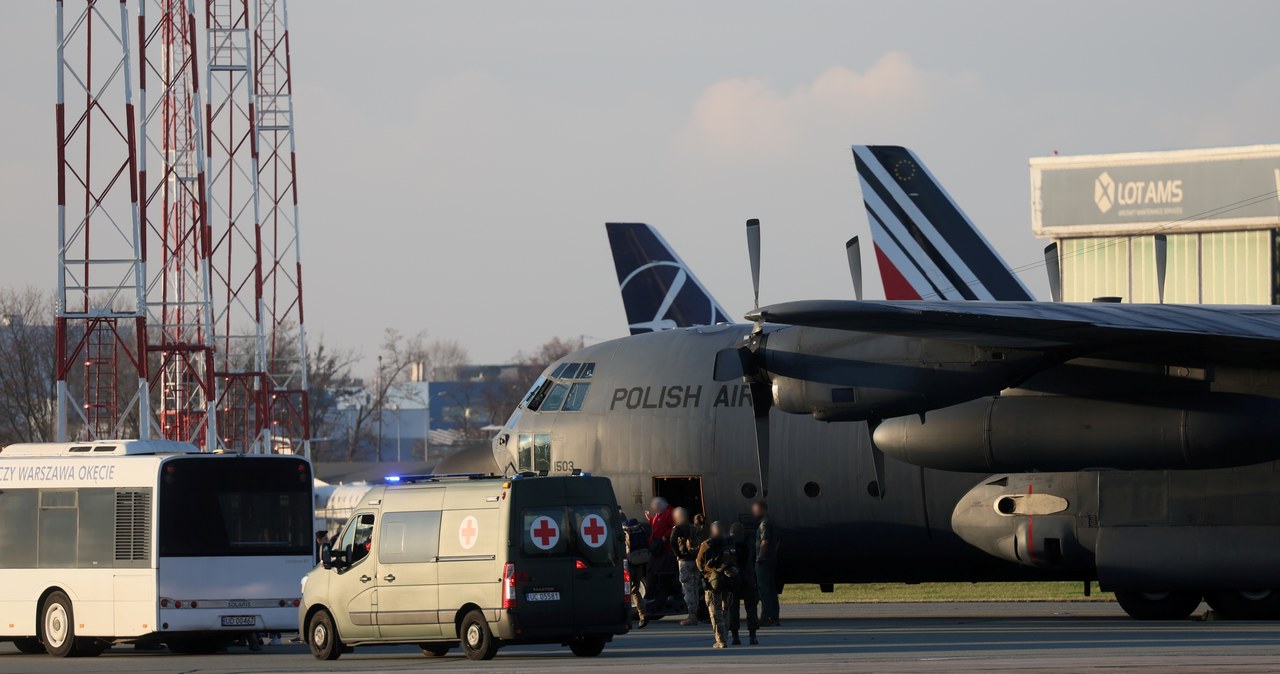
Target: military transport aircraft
<point>1159,419</point>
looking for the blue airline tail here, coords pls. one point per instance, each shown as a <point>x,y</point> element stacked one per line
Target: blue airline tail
<point>926,247</point>
<point>659,290</point>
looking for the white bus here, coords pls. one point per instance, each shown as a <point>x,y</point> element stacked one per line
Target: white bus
<point>149,541</point>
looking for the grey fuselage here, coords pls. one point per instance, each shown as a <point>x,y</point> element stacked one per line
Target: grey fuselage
<point>654,410</point>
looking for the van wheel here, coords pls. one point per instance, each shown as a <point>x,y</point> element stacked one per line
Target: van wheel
<point>589,647</point>
<point>434,650</point>
<point>57,630</point>
<point>29,645</point>
<point>477,639</point>
<point>323,637</point>
<point>1158,605</point>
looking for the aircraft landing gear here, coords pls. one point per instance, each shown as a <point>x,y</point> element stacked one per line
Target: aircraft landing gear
<point>1246,604</point>
<point>1158,605</point>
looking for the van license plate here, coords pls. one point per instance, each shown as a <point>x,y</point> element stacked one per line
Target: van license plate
<point>542,596</point>
<point>238,621</point>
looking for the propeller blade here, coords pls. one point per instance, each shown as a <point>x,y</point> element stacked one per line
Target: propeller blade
<point>753,250</point>
<point>761,403</point>
<point>1052,266</point>
<point>1162,261</point>
<point>877,458</point>
<point>854,252</point>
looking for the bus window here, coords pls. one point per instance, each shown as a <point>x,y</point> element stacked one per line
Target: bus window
<point>18,513</point>
<point>215,508</point>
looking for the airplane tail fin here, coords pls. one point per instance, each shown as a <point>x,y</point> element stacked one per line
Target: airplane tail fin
<point>659,290</point>
<point>926,247</point>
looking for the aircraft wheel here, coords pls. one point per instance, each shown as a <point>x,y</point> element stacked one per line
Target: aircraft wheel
<point>1158,605</point>
<point>1246,604</point>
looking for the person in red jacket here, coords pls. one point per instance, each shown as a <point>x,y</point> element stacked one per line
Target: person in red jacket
<point>661,522</point>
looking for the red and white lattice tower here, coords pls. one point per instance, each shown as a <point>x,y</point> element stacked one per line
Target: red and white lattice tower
<point>176,234</point>
<point>100,320</point>
<point>240,374</point>
<point>281,257</point>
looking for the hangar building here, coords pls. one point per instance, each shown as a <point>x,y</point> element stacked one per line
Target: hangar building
<point>1218,207</point>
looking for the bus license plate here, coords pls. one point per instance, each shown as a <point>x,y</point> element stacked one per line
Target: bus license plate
<point>238,621</point>
<point>542,596</point>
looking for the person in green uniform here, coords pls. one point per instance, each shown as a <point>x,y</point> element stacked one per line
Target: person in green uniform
<point>766,565</point>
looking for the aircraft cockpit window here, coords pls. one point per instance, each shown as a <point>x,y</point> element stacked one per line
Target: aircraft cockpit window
<point>528,397</point>
<point>559,368</point>
<point>534,452</point>
<point>571,371</point>
<point>524,452</point>
<point>577,395</point>
<point>588,370</point>
<point>538,395</point>
<point>555,399</point>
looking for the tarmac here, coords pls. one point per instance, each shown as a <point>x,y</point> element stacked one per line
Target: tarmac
<point>954,637</point>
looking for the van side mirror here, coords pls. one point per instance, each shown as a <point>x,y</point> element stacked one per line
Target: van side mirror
<point>333,559</point>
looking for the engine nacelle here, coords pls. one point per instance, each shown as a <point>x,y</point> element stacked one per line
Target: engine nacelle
<point>837,375</point>
<point>1019,433</point>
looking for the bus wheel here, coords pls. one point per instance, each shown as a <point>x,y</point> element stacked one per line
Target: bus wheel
<point>434,650</point>
<point>29,645</point>
<point>56,629</point>
<point>323,638</point>
<point>588,647</point>
<point>1158,605</point>
<point>477,639</point>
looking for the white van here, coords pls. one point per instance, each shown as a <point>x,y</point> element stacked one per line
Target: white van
<point>482,561</point>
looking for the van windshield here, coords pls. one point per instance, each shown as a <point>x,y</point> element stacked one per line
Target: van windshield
<point>586,532</point>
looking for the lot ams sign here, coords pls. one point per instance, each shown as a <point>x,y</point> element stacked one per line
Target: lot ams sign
<point>1234,188</point>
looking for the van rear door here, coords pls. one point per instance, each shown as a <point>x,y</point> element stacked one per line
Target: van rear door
<point>597,528</point>
<point>598,587</point>
<point>543,567</point>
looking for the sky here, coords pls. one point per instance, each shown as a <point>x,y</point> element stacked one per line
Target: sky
<point>457,161</point>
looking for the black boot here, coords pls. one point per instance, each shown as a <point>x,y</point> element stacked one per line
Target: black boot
<point>736,641</point>
<point>752,639</point>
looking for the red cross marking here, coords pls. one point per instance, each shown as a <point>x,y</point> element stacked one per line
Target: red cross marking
<point>544,532</point>
<point>468,531</point>
<point>593,530</point>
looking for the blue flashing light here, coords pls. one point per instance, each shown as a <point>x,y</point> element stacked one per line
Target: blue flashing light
<point>393,478</point>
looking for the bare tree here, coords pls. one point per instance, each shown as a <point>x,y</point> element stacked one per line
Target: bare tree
<point>27,354</point>
<point>328,379</point>
<point>444,358</point>
<point>395,361</point>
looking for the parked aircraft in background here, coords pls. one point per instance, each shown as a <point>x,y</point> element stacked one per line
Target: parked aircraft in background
<point>1177,401</point>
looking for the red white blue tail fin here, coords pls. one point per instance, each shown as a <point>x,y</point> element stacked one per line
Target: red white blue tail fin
<point>926,247</point>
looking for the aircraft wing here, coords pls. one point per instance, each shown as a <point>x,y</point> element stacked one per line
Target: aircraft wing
<point>1134,331</point>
